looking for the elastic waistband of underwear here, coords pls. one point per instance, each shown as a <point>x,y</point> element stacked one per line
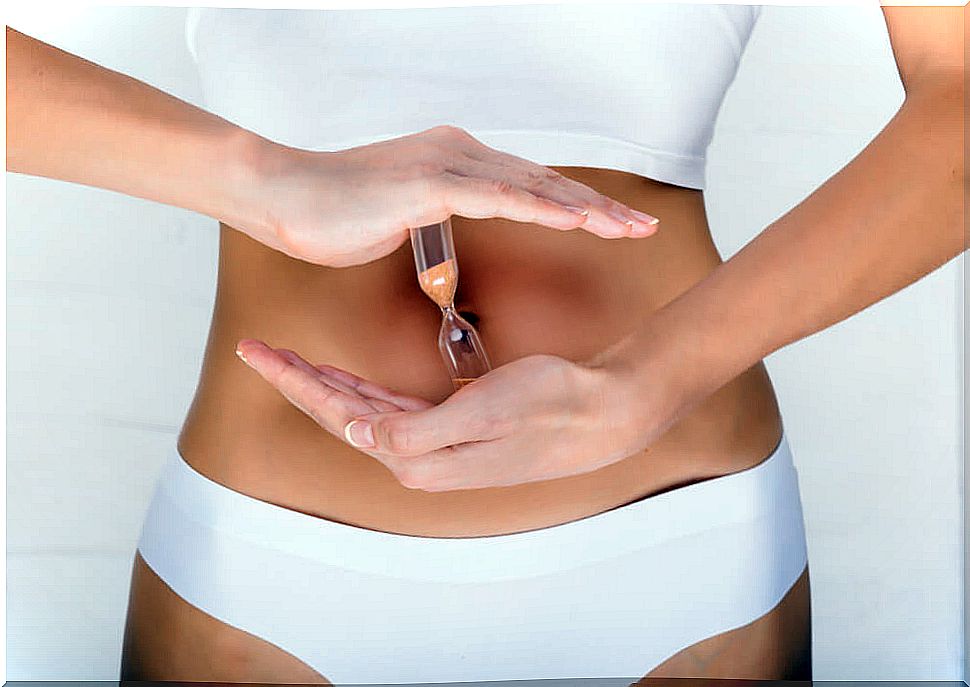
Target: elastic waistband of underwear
<point>766,490</point>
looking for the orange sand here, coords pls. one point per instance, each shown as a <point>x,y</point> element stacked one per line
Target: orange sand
<point>440,282</point>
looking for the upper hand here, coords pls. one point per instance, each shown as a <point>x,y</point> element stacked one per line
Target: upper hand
<point>354,206</point>
<point>537,418</point>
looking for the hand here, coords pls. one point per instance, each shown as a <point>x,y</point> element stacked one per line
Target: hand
<point>356,205</point>
<point>540,417</point>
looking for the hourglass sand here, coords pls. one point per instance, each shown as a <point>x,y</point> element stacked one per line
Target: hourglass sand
<point>459,343</point>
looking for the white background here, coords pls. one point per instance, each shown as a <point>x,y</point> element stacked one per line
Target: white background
<point>109,300</point>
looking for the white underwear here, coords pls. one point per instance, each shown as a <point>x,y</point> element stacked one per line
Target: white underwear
<point>610,595</point>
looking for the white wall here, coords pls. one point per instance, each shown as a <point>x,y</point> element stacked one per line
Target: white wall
<point>108,307</point>
<point>873,405</point>
<point>109,300</point>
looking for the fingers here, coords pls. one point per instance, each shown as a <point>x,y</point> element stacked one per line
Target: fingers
<point>330,408</point>
<point>428,447</point>
<point>379,405</point>
<point>607,218</point>
<point>480,198</point>
<point>460,419</point>
<point>372,390</point>
<point>477,181</point>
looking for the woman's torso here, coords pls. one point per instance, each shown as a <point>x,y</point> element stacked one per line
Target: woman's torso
<point>532,290</point>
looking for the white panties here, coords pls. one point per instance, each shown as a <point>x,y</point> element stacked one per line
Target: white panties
<point>610,595</point>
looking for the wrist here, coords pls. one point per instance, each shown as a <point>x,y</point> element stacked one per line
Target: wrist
<point>671,362</point>
<point>647,384</point>
<point>246,163</point>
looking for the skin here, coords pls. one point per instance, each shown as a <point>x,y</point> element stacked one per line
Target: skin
<point>852,242</point>
<point>243,433</point>
<point>166,638</point>
<point>613,379</point>
<point>73,120</point>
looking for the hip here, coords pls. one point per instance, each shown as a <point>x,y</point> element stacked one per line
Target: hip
<point>613,594</point>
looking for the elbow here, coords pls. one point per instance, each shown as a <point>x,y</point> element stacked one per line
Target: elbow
<point>938,98</point>
<point>943,85</point>
<point>941,98</point>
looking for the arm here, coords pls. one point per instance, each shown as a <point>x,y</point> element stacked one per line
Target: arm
<point>889,217</point>
<point>73,120</point>
<point>892,215</point>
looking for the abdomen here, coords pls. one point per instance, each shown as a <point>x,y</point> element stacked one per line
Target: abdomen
<point>531,290</point>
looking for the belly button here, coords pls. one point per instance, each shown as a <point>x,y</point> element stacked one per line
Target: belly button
<point>469,316</point>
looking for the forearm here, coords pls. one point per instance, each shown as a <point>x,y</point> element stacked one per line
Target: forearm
<point>892,215</point>
<point>73,120</point>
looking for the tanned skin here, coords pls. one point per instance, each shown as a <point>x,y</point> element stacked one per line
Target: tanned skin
<point>655,319</point>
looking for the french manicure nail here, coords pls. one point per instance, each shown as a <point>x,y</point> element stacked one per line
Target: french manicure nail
<point>619,216</point>
<point>644,229</point>
<point>358,433</point>
<point>579,211</point>
<point>645,218</point>
<point>242,357</point>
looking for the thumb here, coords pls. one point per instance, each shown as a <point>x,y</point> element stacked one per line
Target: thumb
<point>411,432</point>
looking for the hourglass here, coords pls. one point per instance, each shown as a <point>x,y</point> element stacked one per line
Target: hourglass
<point>459,343</point>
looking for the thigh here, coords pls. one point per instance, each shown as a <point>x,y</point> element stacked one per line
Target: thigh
<point>776,646</point>
<point>168,639</point>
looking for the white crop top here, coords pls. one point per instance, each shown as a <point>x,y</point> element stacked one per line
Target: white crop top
<point>633,87</point>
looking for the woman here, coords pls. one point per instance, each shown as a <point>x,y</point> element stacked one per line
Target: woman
<point>616,497</point>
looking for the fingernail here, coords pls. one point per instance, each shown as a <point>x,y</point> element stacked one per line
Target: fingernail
<point>358,433</point>
<point>641,230</point>
<point>242,357</point>
<point>619,217</point>
<point>579,211</point>
<point>644,217</point>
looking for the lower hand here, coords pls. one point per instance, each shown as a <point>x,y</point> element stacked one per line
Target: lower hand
<point>537,418</point>
<point>354,206</point>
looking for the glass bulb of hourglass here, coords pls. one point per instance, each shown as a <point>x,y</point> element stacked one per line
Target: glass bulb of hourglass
<point>461,348</point>
<point>459,343</point>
